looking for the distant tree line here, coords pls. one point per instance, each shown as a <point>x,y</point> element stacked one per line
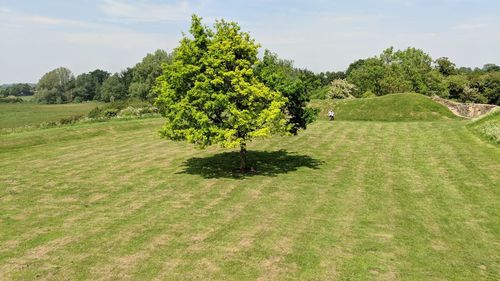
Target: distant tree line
<point>412,70</point>
<point>393,71</point>
<point>18,90</point>
<point>61,86</point>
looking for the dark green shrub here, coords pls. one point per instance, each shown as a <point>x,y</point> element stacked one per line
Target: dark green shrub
<point>70,120</point>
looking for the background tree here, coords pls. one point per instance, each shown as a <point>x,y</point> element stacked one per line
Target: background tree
<point>113,88</point>
<point>326,78</point>
<point>367,75</point>
<point>354,66</point>
<point>399,71</point>
<point>211,95</point>
<point>490,67</point>
<point>20,89</point>
<point>280,75</point>
<point>445,66</point>
<point>55,86</point>
<point>88,85</point>
<point>456,85</point>
<point>490,83</point>
<point>341,89</point>
<point>145,73</point>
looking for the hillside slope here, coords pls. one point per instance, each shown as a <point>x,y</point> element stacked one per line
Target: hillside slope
<point>396,107</point>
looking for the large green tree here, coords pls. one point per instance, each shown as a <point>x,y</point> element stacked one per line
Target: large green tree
<point>210,93</point>
<point>55,86</point>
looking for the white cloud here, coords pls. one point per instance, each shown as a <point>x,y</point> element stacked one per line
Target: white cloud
<point>143,11</point>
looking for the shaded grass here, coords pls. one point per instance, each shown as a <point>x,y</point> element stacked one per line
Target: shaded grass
<point>395,107</point>
<point>268,163</point>
<point>343,200</point>
<point>30,114</point>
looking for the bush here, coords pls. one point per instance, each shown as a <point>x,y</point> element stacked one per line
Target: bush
<point>70,120</point>
<point>341,89</point>
<point>11,99</point>
<point>110,112</point>
<point>368,94</point>
<point>122,108</point>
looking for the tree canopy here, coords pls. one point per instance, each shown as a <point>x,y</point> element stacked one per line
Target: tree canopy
<point>399,71</point>
<point>145,73</point>
<point>280,75</point>
<point>55,86</point>
<point>210,93</point>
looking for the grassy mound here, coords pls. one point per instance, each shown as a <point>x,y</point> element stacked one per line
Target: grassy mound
<point>396,107</point>
<point>488,126</point>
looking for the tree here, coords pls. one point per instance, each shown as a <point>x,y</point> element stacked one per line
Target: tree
<point>445,66</point>
<point>113,89</point>
<point>354,65</point>
<point>55,86</point>
<point>490,83</point>
<point>144,74</point>
<point>490,67</point>
<point>326,78</point>
<point>210,94</point>
<point>341,89</point>
<point>367,76</point>
<point>399,71</point>
<point>88,85</point>
<point>456,85</point>
<point>280,75</point>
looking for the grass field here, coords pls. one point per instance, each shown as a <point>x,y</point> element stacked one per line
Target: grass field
<point>31,114</point>
<point>344,200</point>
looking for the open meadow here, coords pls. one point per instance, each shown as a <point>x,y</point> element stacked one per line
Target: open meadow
<point>416,199</point>
<point>15,115</point>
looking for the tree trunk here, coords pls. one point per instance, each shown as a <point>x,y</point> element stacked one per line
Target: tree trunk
<point>243,157</point>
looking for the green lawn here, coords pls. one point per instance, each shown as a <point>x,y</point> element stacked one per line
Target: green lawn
<point>345,200</point>
<point>31,114</point>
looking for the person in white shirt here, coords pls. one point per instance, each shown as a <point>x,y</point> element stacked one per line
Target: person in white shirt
<point>331,115</point>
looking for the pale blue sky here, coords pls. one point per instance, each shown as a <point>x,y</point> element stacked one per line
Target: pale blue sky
<point>39,35</point>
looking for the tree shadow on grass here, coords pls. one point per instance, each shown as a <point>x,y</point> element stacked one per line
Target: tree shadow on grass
<point>263,163</point>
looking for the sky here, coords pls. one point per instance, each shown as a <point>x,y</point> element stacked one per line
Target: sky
<point>37,36</point>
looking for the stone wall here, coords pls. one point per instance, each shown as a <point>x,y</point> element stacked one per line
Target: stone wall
<point>468,110</point>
